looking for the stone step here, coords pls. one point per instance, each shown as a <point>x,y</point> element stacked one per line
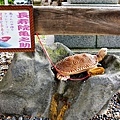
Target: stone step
<point>91,5</point>
<point>87,41</point>
<point>93,1</point>
<point>93,51</point>
<point>83,41</point>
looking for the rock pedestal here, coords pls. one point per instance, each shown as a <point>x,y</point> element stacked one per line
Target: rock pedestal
<point>29,85</point>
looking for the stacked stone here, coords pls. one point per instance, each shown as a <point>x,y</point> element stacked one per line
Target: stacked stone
<point>93,1</point>
<point>5,61</point>
<point>90,41</point>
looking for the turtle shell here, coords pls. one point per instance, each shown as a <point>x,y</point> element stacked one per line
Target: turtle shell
<point>76,64</point>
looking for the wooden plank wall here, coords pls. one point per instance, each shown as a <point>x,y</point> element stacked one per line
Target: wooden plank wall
<point>61,20</point>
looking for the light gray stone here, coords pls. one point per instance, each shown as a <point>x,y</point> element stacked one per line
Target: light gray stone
<point>89,4</point>
<point>77,41</point>
<point>93,1</point>
<point>22,90</point>
<point>27,87</point>
<point>108,41</point>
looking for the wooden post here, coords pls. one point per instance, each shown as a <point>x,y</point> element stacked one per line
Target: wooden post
<point>64,20</point>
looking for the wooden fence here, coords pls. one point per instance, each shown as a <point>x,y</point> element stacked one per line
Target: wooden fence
<point>64,20</point>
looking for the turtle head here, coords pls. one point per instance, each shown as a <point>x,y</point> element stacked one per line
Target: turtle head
<point>101,54</point>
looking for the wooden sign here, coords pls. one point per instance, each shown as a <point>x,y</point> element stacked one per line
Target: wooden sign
<point>16,29</point>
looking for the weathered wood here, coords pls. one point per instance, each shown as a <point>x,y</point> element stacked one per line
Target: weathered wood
<point>77,20</point>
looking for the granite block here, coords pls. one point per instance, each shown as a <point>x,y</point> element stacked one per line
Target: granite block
<point>83,41</point>
<point>108,41</point>
<point>90,5</point>
<point>93,1</point>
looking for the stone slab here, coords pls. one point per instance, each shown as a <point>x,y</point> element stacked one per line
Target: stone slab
<point>108,41</point>
<point>94,1</point>
<point>83,41</point>
<point>90,5</point>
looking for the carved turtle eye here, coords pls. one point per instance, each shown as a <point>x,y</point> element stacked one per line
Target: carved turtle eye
<point>97,55</point>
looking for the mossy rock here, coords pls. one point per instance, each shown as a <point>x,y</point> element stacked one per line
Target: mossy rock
<point>58,51</point>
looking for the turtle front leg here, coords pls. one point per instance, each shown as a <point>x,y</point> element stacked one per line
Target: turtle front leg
<point>61,77</point>
<point>96,71</point>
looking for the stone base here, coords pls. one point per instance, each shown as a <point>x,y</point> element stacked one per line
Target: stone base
<point>93,1</point>
<point>78,42</point>
<point>91,5</point>
<point>108,41</point>
<point>83,41</point>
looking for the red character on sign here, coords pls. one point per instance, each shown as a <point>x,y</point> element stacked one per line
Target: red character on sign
<point>23,21</point>
<point>22,15</point>
<point>25,27</point>
<point>24,45</point>
<point>24,33</point>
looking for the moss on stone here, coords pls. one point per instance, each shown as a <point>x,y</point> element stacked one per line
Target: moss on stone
<point>57,54</point>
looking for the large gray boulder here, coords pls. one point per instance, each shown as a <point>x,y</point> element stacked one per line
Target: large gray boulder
<point>29,85</point>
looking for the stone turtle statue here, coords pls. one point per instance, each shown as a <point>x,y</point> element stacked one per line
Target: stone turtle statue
<point>79,63</point>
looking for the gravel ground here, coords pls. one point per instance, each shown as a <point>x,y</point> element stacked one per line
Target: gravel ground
<point>112,113</point>
<point>5,61</point>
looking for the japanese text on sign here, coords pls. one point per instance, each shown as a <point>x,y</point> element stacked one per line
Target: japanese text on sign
<point>15,25</point>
